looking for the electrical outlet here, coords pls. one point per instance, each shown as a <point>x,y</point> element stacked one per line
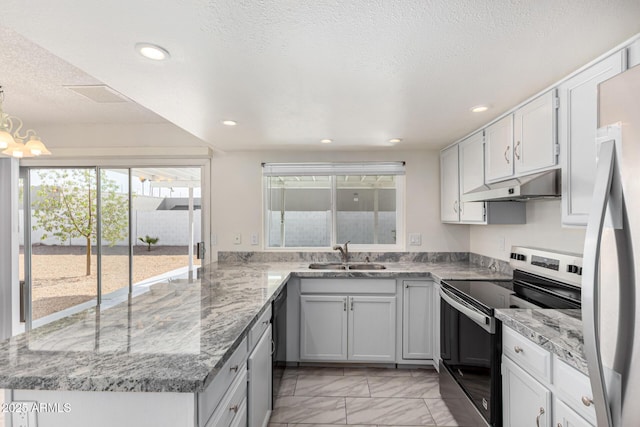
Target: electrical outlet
<point>415,239</point>
<point>237,239</point>
<point>501,243</point>
<point>24,417</point>
<point>255,239</point>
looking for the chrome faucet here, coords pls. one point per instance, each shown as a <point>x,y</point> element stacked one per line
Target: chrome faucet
<point>344,251</point>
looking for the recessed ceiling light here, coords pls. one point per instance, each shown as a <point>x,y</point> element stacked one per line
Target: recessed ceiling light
<point>229,122</point>
<point>479,108</point>
<point>395,140</point>
<point>326,141</point>
<point>152,51</point>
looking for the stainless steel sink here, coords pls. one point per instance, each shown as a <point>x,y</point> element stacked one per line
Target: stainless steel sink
<point>340,266</point>
<point>328,266</point>
<point>366,266</point>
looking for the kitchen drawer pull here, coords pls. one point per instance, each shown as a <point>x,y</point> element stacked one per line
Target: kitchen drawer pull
<point>234,408</point>
<point>586,401</point>
<point>515,150</point>
<point>506,152</point>
<point>538,417</point>
<point>234,368</point>
<point>518,349</point>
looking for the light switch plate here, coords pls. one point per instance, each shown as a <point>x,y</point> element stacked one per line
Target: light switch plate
<point>415,239</point>
<point>255,239</point>
<point>237,239</point>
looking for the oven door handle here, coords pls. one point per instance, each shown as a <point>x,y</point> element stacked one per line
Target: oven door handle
<point>485,322</point>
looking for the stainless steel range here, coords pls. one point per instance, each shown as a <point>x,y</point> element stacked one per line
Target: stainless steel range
<point>470,335</point>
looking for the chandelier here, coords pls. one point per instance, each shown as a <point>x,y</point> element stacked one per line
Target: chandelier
<point>12,141</point>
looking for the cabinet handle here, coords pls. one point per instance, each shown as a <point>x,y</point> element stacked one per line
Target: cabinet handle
<point>539,415</point>
<point>515,150</point>
<point>455,206</point>
<point>273,347</point>
<point>351,304</point>
<point>234,408</point>
<point>506,152</point>
<point>344,304</point>
<point>586,401</point>
<point>518,349</point>
<point>265,322</point>
<point>559,425</point>
<point>234,368</point>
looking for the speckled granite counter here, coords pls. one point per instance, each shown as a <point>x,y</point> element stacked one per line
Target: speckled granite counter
<point>559,331</point>
<point>176,336</point>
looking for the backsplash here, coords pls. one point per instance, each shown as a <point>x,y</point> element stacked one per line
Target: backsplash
<point>491,263</point>
<point>276,256</point>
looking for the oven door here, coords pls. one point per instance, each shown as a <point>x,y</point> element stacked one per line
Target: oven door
<point>470,352</point>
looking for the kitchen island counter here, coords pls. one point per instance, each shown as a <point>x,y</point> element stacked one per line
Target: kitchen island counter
<point>178,334</point>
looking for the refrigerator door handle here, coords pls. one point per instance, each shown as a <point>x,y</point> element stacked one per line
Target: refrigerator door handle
<point>590,281</point>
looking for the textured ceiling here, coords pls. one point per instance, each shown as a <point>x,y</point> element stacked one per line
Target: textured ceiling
<point>34,80</point>
<point>292,72</point>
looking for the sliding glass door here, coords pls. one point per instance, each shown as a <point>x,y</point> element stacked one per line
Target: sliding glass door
<point>94,234</point>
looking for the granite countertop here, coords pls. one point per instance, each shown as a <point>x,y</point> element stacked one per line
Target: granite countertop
<point>176,336</point>
<point>559,331</point>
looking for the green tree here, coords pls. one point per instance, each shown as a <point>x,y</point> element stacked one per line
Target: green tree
<point>65,207</point>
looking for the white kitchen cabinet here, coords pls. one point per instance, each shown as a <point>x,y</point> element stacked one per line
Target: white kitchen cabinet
<point>563,416</point>
<point>323,327</point>
<point>471,167</point>
<point>535,148</point>
<point>418,320</point>
<point>525,400</point>
<point>577,125</point>
<point>449,185</point>
<point>498,158</point>
<point>259,368</point>
<point>372,329</point>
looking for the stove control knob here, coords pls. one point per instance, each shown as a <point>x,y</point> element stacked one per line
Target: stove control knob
<point>520,257</point>
<point>572,268</point>
<point>513,255</point>
<point>579,271</point>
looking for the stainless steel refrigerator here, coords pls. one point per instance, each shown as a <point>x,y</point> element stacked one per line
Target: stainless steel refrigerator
<point>611,271</point>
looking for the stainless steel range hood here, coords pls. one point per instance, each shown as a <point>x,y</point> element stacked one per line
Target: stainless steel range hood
<point>536,186</point>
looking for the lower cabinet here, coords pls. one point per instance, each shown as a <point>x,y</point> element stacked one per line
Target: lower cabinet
<point>532,396</point>
<point>418,319</point>
<point>347,327</point>
<point>259,382</point>
<point>525,400</point>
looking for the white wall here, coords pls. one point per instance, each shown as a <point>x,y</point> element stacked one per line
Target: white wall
<point>542,230</point>
<point>236,196</point>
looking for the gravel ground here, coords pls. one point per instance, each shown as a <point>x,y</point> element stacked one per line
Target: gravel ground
<point>60,280</point>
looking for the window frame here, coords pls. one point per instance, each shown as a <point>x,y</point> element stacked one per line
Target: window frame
<point>400,244</point>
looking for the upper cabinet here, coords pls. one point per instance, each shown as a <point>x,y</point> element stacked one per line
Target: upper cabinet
<point>449,196</point>
<point>523,142</point>
<point>633,54</point>
<point>471,153</point>
<point>499,150</point>
<point>534,129</point>
<point>577,125</point>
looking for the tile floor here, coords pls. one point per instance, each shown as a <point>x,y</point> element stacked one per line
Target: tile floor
<point>363,397</point>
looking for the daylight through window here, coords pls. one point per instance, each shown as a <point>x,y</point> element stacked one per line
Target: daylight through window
<point>318,205</point>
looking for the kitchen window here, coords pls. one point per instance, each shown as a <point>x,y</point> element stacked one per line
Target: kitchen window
<point>318,205</point>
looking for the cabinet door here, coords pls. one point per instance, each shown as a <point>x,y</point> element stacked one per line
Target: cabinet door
<point>471,154</point>
<point>372,328</point>
<point>498,148</point>
<point>577,125</point>
<point>323,327</point>
<point>417,320</point>
<point>563,416</point>
<point>259,387</point>
<point>535,135</point>
<point>525,402</point>
<point>449,198</point>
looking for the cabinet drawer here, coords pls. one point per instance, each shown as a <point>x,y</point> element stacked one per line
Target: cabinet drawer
<point>231,406</point>
<point>259,327</point>
<point>348,286</point>
<point>533,358</point>
<point>208,400</point>
<point>572,387</point>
